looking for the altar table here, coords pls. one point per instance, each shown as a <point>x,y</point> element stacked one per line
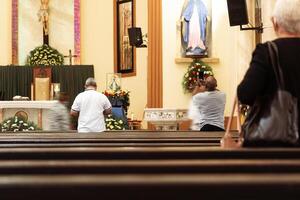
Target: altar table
<point>37,111</point>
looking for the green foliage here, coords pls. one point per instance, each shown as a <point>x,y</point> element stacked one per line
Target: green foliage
<point>45,55</point>
<point>17,124</point>
<point>191,76</point>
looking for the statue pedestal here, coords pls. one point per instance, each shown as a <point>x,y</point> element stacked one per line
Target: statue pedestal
<point>165,119</point>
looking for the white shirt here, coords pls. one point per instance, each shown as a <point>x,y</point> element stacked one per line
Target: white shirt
<point>90,104</point>
<point>210,106</point>
<point>194,115</point>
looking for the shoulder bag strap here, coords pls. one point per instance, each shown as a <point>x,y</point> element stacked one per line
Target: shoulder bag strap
<point>273,52</point>
<point>228,141</point>
<point>229,123</point>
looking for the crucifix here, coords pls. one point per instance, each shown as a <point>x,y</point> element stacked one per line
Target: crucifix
<point>70,56</point>
<point>43,15</point>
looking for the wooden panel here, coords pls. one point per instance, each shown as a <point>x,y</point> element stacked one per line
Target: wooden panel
<point>57,136</point>
<point>155,87</point>
<point>234,125</point>
<point>151,186</point>
<point>112,139</point>
<point>192,166</point>
<point>184,126</point>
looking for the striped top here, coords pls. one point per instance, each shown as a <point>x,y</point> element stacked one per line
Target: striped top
<point>210,106</point>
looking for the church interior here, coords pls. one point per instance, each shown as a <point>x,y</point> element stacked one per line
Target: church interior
<point>143,55</point>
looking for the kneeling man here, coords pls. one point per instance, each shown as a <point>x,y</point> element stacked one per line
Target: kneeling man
<point>209,102</point>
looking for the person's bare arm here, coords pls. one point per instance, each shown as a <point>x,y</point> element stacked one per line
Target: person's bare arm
<point>74,113</point>
<point>107,111</point>
<point>200,87</point>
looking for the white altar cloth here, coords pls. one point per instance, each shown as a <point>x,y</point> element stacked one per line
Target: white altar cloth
<point>37,111</point>
<point>165,119</point>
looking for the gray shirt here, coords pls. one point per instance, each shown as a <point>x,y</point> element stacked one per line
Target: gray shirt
<point>59,119</point>
<point>210,106</point>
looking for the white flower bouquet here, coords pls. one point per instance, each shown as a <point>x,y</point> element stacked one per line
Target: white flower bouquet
<point>45,55</point>
<point>17,124</point>
<point>112,123</point>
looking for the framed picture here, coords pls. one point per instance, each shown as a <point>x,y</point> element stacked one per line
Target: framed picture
<point>124,52</point>
<point>113,81</point>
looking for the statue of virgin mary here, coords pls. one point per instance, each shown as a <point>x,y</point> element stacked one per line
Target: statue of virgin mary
<point>193,28</point>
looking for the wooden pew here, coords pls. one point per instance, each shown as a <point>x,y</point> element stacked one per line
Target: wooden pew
<point>144,153</point>
<point>50,152</point>
<point>175,166</point>
<point>158,186</point>
<point>112,139</point>
<point>144,165</point>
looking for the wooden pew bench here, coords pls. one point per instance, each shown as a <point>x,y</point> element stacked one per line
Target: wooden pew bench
<point>111,139</point>
<point>143,186</point>
<point>145,153</point>
<point>201,166</point>
<point>37,166</point>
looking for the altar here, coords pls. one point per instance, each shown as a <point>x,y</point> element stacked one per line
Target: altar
<point>35,111</point>
<point>17,80</point>
<point>165,119</point>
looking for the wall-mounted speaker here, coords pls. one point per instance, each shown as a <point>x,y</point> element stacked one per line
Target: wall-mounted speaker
<point>238,14</point>
<point>135,36</point>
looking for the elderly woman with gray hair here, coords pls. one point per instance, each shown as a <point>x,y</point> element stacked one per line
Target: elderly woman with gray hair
<point>260,78</point>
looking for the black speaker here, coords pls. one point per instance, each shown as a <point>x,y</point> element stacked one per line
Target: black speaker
<point>237,10</point>
<point>135,36</point>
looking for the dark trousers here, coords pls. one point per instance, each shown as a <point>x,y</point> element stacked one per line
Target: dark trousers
<point>209,127</point>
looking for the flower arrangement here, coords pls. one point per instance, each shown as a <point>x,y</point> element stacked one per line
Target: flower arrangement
<point>17,124</point>
<point>45,55</point>
<point>112,123</point>
<point>118,98</point>
<point>191,77</point>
